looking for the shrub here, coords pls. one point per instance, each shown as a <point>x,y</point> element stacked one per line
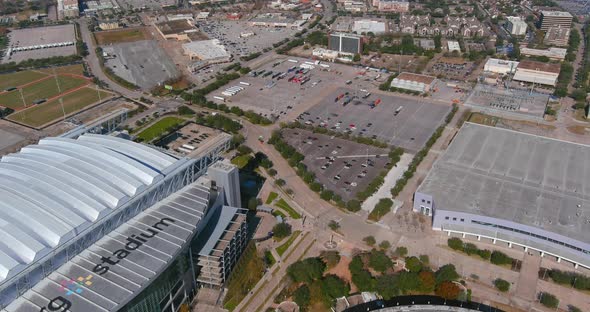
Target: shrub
<point>502,285</point>
<point>484,254</point>
<point>455,243</point>
<point>500,258</point>
<point>470,249</point>
<point>384,245</point>
<point>548,300</point>
<point>424,259</point>
<point>353,205</point>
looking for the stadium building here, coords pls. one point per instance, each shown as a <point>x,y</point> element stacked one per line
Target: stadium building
<point>99,223</point>
<point>523,190</point>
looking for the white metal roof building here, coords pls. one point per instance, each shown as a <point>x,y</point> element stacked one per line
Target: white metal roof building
<point>62,195</point>
<point>207,50</point>
<point>367,26</point>
<point>499,66</point>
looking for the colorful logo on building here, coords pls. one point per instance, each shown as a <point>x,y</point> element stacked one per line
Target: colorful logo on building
<point>71,286</point>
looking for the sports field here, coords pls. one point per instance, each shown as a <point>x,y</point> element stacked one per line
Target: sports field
<point>123,35</point>
<point>159,128</point>
<point>39,115</point>
<point>18,78</point>
<point>44,89</point>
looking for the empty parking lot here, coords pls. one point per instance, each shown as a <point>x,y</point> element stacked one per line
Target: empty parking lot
<point>344,167</point>
<point>400,121</point>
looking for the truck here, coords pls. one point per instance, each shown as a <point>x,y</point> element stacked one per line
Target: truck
<point>399,109</point>
<point>244,83</point>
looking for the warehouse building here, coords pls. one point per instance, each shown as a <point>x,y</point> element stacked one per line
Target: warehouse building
<point>552,53</point>
<point>100,223</point>
<point>413,82</point>
<point>205,53</point>
<point>556,19</point>
<point>516,25</point>
<point>499,66</point>
<point>537,72</point>
<point>347,43</point>
<point>524,190</point>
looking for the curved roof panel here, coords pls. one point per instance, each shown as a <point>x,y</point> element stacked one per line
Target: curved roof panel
<point>52,191</point>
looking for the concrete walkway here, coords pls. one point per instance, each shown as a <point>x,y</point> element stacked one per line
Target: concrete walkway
<point>390,179</point>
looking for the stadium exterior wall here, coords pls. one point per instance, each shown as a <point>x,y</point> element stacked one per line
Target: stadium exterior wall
<point>496,229</point>
<point>186,171</point>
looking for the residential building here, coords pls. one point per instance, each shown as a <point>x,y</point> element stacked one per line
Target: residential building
<point>516,25</point>
<point>558,19</point>
<point>399,6</point>
<point>537,72</point>
<point>505,187</point>
<point>453,46</point>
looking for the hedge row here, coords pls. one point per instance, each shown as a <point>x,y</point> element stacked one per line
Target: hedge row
<point>495,257</point>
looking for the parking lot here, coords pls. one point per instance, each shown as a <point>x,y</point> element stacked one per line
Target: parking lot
<point>401,121</point>
<point>229,33</point>
<point>145,4</point>
<point>142,63</point>
<point>38,36</point>
<point>342,166</point>
<point>287,99</point>
<point>452,68</point>
<point>188,138</point>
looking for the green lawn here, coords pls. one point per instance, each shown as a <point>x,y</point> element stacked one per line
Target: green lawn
<point>281,249</point>
<point>19,78</point>
<point>43,90</point>
<point>39,115</point>
<point>248,271</point>
<point>270,259</point>
<point>292,213</point>
<point>272,196</point>
<point>277,212</point>
<point>241,161</point>
<point>159,128</point>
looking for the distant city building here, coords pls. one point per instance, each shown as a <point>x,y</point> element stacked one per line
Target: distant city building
<point>500,66</point>
<point>496,185</point>
<point>206,52</point>
<point>325,54</point>
<point>552,53</point>
<point>233,16</point>
<point>67,9</point>
<point>277,20</point>
<point>355,6</point>
<point>109,25</point>
<point>537,72</point>
<point>516,26</point>
<point>551,19</point>
<point>413,82</point>
<point>203,15</point>
<point>348,43</point>
<point>453,46</point>
<point>557,36</point>
<point>369,26</point>
<point>400,6</point>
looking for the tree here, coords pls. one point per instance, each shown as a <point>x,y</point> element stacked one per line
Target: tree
<point>571,308</point>
<point>413,264</point>
<point>370,240</point>
<point>253,203</point>
<point>185,111</point>
<point>446,273</point>
<point>326,195</point>
<point>281,230</point>
<point>384,245</point>
<point>356,58</point>
<point>280,182</point>
<point>334,287</point>
<point>579,95</point>
<point>424,259</point>
<point>448,290</point>
<point>408,282</point>
<point>427,280</point>
<point>272,172</point>
<point>244,149</point>
<point>401,251</point>
<point>386,286</point>
<point>502,285</point>
<point>548,300</point>
<point>302,297</point>
<point>306,270</point>
<point>379,261</point>
<point>455,243</point>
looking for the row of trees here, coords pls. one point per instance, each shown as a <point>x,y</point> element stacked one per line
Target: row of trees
<point>418,277</point>
<point>495,257</point>
<point>576,280</point>
<point>219,121</point>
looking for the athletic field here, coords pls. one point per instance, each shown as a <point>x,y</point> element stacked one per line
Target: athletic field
<point>49,85</point>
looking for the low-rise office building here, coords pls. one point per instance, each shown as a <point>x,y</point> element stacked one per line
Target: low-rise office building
<point>559,19</point>
<point>516,25</point>
<point>499,66</point>
<point>552,53</point>
<point>557,36</point>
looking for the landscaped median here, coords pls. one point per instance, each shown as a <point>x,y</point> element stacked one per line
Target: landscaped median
<point>160,128</point>
<point>248,271</point>
<point>283,247</point>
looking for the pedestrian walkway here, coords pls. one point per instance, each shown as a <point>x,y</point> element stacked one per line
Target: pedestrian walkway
<point>526,287</point>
